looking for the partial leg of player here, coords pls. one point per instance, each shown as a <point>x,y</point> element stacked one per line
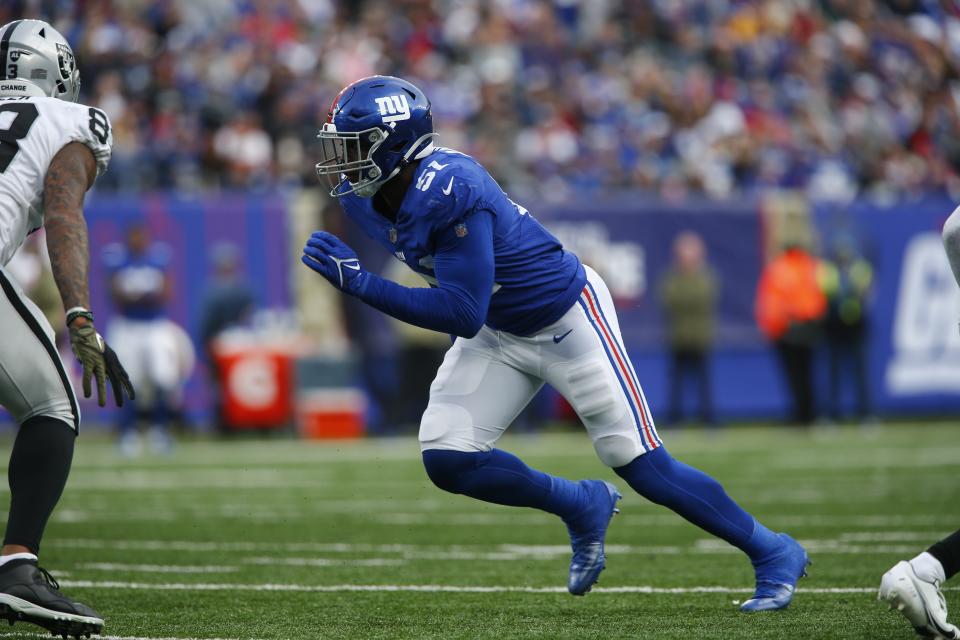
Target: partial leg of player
<point>37,392</point>
<point>473,399</point>
<point>38,470</point>
<point>583,357</point>
<point>28,593</point>
<point>913,588</point>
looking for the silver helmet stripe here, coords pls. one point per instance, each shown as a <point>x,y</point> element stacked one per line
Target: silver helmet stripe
<point>5,47</point>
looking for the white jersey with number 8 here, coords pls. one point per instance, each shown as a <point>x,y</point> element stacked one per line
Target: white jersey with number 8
<point>32,131</point>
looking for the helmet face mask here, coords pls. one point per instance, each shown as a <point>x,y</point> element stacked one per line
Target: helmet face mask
<point>35,60</point>
<point>375,128</point>
<point>348,160</point>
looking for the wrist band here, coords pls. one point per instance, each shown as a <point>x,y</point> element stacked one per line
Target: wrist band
<point>78,312</point>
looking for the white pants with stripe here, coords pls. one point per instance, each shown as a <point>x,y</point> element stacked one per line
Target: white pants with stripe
<point>485,381</point>
<point>33,381</point>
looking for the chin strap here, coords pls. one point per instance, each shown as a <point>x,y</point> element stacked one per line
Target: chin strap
<point>404,161</point>
<point>423,153</point>
<point>367,191</point>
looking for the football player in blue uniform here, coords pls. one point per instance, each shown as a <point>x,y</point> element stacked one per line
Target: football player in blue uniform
<point>524,312</point>
<point>144,336</point>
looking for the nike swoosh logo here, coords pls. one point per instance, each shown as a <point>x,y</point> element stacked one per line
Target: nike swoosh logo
<point>356,267</point>
<point>557,339</point>
<point>436,165</point>
<point>449,188</point>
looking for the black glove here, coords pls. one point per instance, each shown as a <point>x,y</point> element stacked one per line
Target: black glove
<point>99,361</point>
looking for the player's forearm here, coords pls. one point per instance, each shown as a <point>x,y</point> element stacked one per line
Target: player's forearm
<point>70,174</point>
<point>69,257</point>
<point>440,310</point>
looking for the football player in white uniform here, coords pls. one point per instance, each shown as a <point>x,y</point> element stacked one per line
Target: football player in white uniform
<point>913,587</point>
<point>51,151</point>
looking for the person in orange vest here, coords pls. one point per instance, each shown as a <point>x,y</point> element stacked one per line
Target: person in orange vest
<point>790,305</point>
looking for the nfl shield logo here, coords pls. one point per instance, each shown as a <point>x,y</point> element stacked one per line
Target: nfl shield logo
<point>460,230</point>
<point>393,235</point>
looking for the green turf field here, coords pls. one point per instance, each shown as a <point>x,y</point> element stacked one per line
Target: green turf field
<point>284,539</point>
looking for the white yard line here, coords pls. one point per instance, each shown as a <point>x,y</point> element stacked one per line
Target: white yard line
<point>437,515</point>
<point>190,545</point>
<point>708,546</point>
<point>891,536</point>
<point>430,588</point>
<point>644,520</point>
<point>328,562</point>
<point>157,568</point>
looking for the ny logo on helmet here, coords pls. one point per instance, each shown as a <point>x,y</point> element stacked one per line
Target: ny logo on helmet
<point>393,108</point>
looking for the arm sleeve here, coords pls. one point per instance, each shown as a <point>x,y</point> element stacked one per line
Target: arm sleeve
<point>464,270</point>
<point>91,126</point>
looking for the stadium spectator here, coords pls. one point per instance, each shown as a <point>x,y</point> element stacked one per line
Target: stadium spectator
<point>847,278</point>
<point>244,149</point>
<point>688,293</point>
<point>691,97</point>
<point>790,307</point>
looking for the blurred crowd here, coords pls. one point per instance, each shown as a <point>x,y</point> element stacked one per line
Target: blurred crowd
<point>674,97</point>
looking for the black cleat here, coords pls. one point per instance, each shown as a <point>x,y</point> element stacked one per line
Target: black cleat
<point>30,594</point>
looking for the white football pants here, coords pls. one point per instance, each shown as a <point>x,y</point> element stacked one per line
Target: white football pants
<point>33,381</point>
<point>149,352</point>
<point>485,381</point>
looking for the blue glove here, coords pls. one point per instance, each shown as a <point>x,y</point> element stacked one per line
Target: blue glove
<point>327,254</point>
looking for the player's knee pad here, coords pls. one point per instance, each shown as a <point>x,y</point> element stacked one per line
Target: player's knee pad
<point>447,426</point>
<point>616,450</point>
<point>591,394</point>
<point>450,470</point>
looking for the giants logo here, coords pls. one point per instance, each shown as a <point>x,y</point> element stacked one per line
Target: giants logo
<point>925,341</point>
<point>393,108</point>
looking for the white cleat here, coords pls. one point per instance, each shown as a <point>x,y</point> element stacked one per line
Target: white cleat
<point>921,602</point>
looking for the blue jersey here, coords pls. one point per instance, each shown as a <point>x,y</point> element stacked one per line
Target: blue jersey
<point>138,281</point>
<point>459,230</point>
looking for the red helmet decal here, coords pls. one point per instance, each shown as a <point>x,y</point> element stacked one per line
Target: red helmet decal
<point>333,106</point>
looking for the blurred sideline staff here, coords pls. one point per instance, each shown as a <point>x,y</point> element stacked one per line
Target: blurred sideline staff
<point>790,307</point>
<point>846,279</point>
<point>688,293</point>
<point>227,304</point>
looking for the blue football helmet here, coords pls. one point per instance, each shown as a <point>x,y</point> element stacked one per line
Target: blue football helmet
<point>376,127</point>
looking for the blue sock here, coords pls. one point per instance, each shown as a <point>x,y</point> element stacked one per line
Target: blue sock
<point>501,478</point>
<point>700,499</point>
<point>128,417</point>
<point>160,413</point>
